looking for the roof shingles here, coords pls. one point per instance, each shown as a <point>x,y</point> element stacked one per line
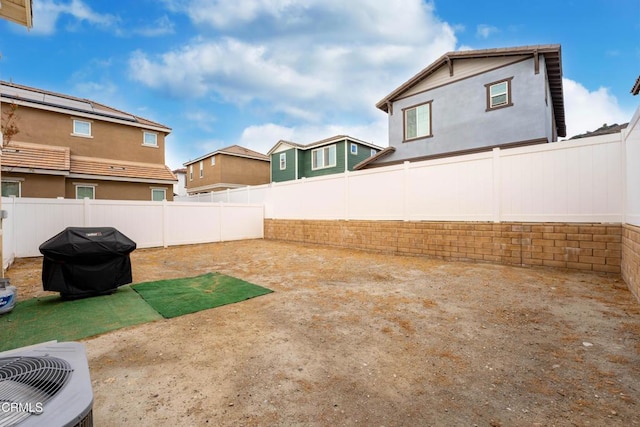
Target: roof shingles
<point>58,159</point>
<point>111,168</point>
<point>35,156</point>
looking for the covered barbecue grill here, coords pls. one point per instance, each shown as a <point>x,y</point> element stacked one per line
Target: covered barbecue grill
<point>86,261</point>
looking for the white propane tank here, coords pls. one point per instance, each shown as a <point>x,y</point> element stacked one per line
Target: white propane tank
<point>7,296</point>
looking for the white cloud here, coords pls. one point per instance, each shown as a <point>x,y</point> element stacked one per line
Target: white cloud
<point>262,138</point>
<point>202,119</point>
<point>160,27</point>
<point>484,31</point>
<point>587,111</point>
<point>312,61</point>
<point>46,14</point>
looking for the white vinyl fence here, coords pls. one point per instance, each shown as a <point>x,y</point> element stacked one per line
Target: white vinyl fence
<point>31,222</point>
<point>568,181</point>
<point>631,137</point>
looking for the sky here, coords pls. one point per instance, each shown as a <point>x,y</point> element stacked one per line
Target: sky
<point>253,72</point>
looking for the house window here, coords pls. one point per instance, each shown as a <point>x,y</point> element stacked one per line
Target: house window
<point>213,160</point>
<point>417,122</point>
<point>499,94</point>
<point>150,139</point>
<point>11,188</point>
<point>323,157</point>
<point>158,194</point>
<point>81,128</point>
<point>373,152</point>
<point>85,191</point>
<point>201,169</point>
<point>283,161</point>
<point>353,148</point>
<point>190,172</point>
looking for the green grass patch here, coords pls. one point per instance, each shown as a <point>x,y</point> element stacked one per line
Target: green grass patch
<point>176,297</point>
<point>51,318</point>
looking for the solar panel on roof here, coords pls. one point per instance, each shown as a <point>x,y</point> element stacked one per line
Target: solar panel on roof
<point>29,95</point>
<point>112,113</point>
<point>67,103</point>
<point>62,102</point>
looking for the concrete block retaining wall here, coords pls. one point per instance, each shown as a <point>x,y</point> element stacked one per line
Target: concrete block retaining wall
<point>589,247</point>
<point>631,258</point>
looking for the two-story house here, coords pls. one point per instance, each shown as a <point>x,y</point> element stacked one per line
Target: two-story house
<point>58,145</point>
<point>337,154</point>
<point>229,167</point>
<point>475,100</point>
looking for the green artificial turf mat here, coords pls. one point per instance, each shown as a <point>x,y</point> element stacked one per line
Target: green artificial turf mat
<point>51,318</point>
<point>175,297</point>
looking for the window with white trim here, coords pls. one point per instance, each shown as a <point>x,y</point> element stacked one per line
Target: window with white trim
<point>499,94</point>
<point>11,188</point>
<point>283,161</point>
<point>190,172</point>
<point>201,169</point>
<point>353,148</point>
<point>324,157</point>
<point>213,160</point>
<point>417,121</point>
<point>81,128</point>
<point>158,194</point>
<point>373,152</point>
<point>85,191</point>
<point>150,139</point>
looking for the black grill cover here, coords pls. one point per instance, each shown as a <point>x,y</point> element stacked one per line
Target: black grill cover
<point>86,261</point>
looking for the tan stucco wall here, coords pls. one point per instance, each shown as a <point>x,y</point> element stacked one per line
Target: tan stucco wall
<point>32,185</point>
<point>228,170</point>
<point>109,140</point>
<point>115,190</point>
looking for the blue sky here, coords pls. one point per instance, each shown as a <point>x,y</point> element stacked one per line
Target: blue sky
<point>252,72</point>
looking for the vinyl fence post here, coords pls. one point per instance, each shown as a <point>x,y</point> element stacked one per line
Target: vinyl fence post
<point>347,195</point>
<point>165,225</point>
<point>496,192</point>
<point>220,228</point>
<point>405,191</point>
<point>86,210</point>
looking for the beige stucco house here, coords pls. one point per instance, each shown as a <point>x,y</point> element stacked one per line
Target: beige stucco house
<point>63,146</point>
<point>229,167</point>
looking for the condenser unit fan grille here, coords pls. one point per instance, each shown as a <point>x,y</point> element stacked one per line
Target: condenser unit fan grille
<point>29,382</point>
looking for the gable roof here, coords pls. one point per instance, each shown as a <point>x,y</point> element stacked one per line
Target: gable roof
<point>602,130</point>
<point>322,142</point>
<point>52,101</point>
<point>553,60</point>
<point>232,150</point>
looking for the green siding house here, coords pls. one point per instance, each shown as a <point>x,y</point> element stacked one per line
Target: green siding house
<point>338,154</point>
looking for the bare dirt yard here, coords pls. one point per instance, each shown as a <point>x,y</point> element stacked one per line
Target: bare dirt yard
<point>356,338</point>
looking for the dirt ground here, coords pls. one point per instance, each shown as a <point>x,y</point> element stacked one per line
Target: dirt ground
<point>355,338</point>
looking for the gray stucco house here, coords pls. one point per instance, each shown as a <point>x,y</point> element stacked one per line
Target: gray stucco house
<point>475,100</point>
